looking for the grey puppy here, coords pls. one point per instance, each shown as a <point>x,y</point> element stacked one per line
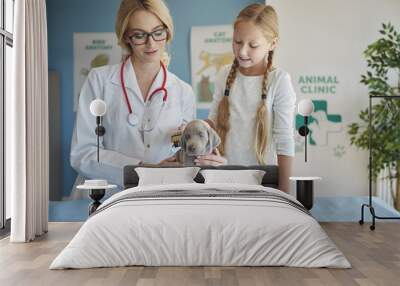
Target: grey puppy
<point>198,138</point>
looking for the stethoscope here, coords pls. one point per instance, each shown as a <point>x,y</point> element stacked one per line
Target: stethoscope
<point>133,119</point>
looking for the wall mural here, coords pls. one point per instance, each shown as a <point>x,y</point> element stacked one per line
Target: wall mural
<point>323,123</point>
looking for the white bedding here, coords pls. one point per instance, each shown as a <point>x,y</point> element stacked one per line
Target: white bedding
<point>181,231</point>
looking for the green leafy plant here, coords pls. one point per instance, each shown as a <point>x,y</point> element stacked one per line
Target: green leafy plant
<point>383,59</point>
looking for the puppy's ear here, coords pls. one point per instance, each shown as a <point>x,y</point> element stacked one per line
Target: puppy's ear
<point>213,139</point>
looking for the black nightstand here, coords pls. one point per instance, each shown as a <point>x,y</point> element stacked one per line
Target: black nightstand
<point>305,190</point>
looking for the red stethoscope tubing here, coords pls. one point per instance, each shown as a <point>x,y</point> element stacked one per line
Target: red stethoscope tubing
<point>162,88</point>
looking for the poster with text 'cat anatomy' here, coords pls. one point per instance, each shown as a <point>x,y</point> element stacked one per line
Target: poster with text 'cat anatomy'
<point>211,49</point>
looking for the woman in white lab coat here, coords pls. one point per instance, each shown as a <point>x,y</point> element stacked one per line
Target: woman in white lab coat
<point>146,103</point>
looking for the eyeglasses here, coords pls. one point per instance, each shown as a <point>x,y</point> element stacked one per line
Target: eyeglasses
<point>141,37</point>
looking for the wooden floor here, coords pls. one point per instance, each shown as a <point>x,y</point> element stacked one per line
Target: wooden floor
<point>374,255</point>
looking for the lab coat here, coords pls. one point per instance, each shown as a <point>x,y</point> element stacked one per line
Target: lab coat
<point>122,143</point>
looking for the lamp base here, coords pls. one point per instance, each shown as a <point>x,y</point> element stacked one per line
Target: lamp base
<point>96,195</point>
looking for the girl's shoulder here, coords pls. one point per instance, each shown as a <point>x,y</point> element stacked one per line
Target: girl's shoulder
<point>279,79</point>
<point>277,74</point>
<point>280,83</point>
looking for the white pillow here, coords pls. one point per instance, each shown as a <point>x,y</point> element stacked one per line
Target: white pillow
<point>163,176</point>
<point>248,177</point>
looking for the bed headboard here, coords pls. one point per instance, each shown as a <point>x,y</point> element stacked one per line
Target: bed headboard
<point>270,178</point>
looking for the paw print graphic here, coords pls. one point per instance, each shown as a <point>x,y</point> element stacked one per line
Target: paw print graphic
<point>339,151</point>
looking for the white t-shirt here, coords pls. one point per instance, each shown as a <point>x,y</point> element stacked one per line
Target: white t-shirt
<point>244,99</point>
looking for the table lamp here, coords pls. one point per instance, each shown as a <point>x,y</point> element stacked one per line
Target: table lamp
<point>305,107</point>
<point>98,108</point>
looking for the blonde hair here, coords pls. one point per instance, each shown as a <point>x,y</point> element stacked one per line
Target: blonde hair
<point>264,17</point>
<point>156,7</point>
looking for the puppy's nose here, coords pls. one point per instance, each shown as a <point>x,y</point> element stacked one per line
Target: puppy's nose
<point>191,148</point>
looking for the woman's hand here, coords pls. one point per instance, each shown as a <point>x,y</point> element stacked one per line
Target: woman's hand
<point>170,161</point>
<point>182,127</point>
<point>176,136</point>
<point>214,159</point>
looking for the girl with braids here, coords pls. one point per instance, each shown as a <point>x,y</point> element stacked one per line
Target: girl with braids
<point>253,105</point>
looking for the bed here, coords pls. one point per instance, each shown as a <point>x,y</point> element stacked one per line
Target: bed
<point>201,224</point>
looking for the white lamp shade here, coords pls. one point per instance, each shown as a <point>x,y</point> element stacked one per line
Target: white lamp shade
<point>98,107</point>
<point>305,107</point>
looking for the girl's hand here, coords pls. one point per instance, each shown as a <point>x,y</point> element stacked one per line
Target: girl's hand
<point>214,159</point>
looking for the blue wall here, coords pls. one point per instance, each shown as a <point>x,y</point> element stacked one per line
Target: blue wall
<point>66,17</point>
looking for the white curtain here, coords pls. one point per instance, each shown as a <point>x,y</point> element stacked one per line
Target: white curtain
<point>27,124</point>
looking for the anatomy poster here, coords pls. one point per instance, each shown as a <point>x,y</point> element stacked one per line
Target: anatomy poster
<point>211,49</point>
<point>92,50</point>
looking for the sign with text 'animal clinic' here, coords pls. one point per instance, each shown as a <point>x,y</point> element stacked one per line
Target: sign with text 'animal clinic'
<point>211,49</point>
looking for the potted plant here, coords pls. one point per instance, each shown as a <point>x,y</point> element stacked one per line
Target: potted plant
<point>383,58</point>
